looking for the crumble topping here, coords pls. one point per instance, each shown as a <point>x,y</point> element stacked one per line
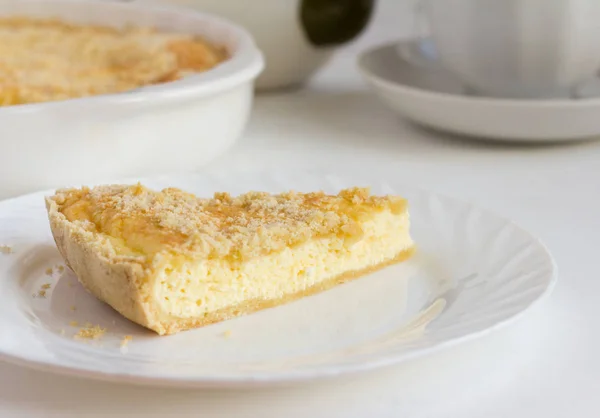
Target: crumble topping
<point>142,222</point>
<point>45,60</point>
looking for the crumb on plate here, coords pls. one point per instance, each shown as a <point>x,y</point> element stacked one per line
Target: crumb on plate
<point>46,286</point>
<point>60,268</point>
<point>6,249</point>
<point>91,332</point>
<point>49,271</point>
<point>227,334</point>
<point>126,340</point>
<point>41,293</point>
<point>73,323</point>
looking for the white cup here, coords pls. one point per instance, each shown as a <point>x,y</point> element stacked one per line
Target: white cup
<point>517,48</point>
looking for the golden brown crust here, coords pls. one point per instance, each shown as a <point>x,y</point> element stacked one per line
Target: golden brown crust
<point>47,59</point>
<point>176,325</point>
<point>99,274</point>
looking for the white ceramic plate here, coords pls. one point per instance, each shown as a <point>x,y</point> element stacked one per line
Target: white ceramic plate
<point>407,77</point>
<point>473,272</point>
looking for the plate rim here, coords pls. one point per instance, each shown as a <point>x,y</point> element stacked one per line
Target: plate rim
<point>297,376</point>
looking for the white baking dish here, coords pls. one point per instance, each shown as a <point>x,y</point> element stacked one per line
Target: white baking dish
<point>173,126</point>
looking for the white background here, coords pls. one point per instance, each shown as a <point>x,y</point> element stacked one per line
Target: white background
<point>547,365</point>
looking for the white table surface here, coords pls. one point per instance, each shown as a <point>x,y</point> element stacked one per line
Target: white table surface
<point>547,365</point>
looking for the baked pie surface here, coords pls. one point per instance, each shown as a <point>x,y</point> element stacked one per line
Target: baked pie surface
<point>170,261</point>
<point>44,60</point>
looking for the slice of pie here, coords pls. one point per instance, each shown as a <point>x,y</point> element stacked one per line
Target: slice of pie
<point>171,261</point>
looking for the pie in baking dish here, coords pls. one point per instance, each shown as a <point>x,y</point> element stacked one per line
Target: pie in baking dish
<point>44,60</point>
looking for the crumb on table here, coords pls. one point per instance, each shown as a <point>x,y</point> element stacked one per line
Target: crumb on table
<point>6,249</point>
<point>91,332</point>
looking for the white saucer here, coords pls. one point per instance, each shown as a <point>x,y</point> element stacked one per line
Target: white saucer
<point>472,273</point>
<point>434,98</point>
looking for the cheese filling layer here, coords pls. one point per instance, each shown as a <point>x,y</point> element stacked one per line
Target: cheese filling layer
<point>192,289</point>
